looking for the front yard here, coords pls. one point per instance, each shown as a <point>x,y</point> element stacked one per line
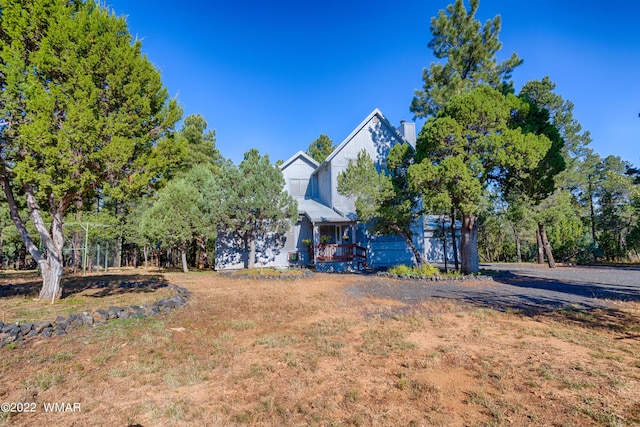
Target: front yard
<point>314,352</point>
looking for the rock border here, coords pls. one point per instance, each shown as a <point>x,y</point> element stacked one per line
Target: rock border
<point>436,278</point>
<point>306,273</point>
<point>18,334</point>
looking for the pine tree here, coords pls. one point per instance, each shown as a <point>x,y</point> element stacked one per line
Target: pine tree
<point>82,109</point>
<point>383,200</point>
<point>320,148</point>
<point>467,146</point>
<point>256,203</point>
<point>470,50</point>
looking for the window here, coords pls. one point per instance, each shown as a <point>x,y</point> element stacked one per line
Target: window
<point>299,187</point>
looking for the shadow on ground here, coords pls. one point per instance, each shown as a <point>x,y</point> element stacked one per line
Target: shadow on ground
<point>29,284</point>
<point>575,288</point>
<point>588,303</point>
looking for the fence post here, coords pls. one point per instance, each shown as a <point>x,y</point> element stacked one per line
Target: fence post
<point>86,248</point>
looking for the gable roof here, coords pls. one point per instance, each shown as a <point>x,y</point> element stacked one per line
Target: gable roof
<point>304,156</point>
<point>375,112</point>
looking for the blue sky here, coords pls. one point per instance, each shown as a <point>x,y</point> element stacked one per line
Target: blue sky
<point>274,75</point>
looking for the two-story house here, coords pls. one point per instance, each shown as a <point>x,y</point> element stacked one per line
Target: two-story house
<point>327,233</point>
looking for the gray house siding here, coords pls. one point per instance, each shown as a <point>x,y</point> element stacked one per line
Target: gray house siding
<point>376,137</point>
<point>297,175</point>
<point>323,210</point>
<point>323,178</point>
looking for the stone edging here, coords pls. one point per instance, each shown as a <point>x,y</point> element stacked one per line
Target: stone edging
<point>436,278</point>
<point>19,334</point>
<point>306,273</point>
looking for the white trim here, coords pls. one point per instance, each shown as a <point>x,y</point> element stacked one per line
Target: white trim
<point>302,154</point>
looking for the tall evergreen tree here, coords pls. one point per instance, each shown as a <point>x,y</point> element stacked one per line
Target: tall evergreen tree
<point>538,183</point>
<point>256,202</point>
<point>200,144</point>
<point>82,109</point>
<point>467,146</point>
<point>320,148</point>
<point>186,209</point>
<point>470,50</point>
<point>385,201</point>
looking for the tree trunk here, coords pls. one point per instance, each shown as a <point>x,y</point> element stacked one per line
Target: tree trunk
<point>118,249</point>
<point>444,244</point>
<point>22,257</point>
<point>469,245</point>
<point>540,247</point>
<point>518,246</point>
<point>145,252</point>
<point>202,256</point>
<point>546,245</point>
<point>593,222</point>
<point>51,274</point>
<point>52,238</point>
<point>183,257</point>
<point>419,257</point>
<point>456,261</point>
<point>252,253</point>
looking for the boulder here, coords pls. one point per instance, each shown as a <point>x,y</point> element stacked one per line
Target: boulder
<point>40,326</point>
<point>26,328</point>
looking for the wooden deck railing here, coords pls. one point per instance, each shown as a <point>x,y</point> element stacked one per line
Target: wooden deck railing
<point>341,253</point>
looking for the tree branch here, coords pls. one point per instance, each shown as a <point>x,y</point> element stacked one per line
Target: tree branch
<point>15,216</point>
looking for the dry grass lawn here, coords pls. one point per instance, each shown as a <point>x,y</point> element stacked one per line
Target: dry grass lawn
<point>298,353</point>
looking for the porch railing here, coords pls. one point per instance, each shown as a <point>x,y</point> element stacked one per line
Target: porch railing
<point>341,253</point>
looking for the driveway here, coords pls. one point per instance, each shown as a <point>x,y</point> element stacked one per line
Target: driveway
<point>527,287</point>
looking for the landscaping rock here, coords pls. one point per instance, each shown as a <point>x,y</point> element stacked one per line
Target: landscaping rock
<point>101,316</point>
<point>87,319</point>
<point>10,328</point>
<point>16,333</point>
<point>123,315</point>
<point>39,327</point>
<point>26,328</point>
<point>136,311</point>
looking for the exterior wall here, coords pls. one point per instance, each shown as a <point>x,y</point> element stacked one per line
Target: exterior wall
<point>374,137</point>
<point>323,177</point>
<point>337,267</point>
<point>305,231</point>
<point>271,250</point>
<point>377,138</point>
<point>386,251</point>
<point>434,241</point>
<point>297,176</point>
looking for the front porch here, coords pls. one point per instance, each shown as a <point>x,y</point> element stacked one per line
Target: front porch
<point>341,253</point>
<point>332,250</point>
<point>330,238</point>
<point>340,258</point>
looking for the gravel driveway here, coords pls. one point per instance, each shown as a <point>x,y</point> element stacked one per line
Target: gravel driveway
<point>518,286</point>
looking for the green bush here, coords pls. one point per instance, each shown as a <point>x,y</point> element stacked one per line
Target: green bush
<point>425,270</point>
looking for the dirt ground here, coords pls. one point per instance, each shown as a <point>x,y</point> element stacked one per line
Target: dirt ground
<point>314,352</point>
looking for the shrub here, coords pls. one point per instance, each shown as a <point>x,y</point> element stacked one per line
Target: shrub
<point>425,270</point>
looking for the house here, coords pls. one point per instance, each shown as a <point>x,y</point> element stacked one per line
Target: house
<point>327,233</point>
